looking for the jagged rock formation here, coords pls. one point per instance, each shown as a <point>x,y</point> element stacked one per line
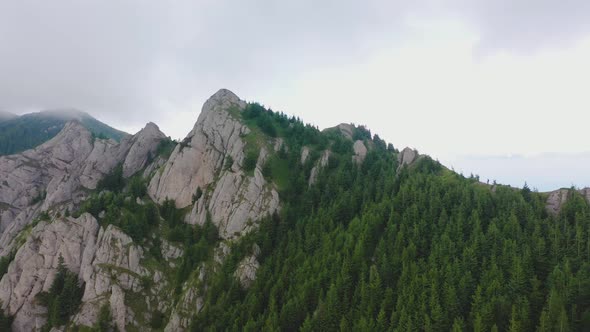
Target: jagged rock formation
<point>106,260</point>
<point>346,129</point>
<point>407,157</point>
<point>89,251</point>
<point>206,178</point>
<point>557,198</point>
<point>58,173</point>
<point>195,162</point>
<point>143,148</point>
<point>232,198</point>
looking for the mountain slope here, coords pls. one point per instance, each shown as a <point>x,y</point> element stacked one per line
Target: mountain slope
<point>18,134</point>
<point>256,221</point>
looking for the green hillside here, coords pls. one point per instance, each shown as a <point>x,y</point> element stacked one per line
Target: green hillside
<point>21,133</point>
<point>425,249</point>
<point>368,248</point>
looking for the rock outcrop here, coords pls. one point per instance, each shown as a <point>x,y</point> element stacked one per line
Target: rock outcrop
<point>407,157</point>
<point>198,158</point>
<point>143,148</point>
<point>346,129</point>
<point>58,174</point>
<point>211,158</point>
<point>106,260</point>
<point>35,265</point>
<point>558,198</point>
<point>360,152</point>
<point>246,271</point>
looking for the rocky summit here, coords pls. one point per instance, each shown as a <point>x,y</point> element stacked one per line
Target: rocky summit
<point>257,221</point>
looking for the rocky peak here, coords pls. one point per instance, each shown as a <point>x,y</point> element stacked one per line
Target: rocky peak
<point>143,146</point>
<point>73,134</point>
<point>58,173</point>
<point>223,99</point>
<point>232,198</point>
<point>407,157</point>
<point>346,129</point>
<point>194,163</point>
<point>150,127</point>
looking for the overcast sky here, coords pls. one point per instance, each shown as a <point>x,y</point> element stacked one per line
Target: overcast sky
<point>494,87</point>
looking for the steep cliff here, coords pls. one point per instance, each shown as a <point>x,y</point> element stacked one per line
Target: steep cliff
<point>211,160</point>
<point>39,186</point>
<point>57,175</point>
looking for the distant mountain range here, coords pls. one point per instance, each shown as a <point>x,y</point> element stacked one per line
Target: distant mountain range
<point>20,133</point>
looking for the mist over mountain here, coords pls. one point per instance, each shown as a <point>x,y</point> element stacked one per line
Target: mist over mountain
<point>6,116</point>
<point>20,133</point>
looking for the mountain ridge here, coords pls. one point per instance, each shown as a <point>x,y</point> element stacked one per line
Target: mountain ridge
<point>20,133</point>
<point>256,220</point>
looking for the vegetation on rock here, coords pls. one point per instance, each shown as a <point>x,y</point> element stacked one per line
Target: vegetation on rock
<point>365,246</point>
<point>63,298</point>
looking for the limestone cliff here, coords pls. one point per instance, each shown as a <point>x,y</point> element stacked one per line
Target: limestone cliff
<point>58,174</point>
<point>106,260</point>
<point>211,159</point>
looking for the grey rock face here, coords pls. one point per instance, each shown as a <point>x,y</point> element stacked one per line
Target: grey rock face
<point>346,129</point>
<point>112,268</point>
<point>143,146</point>
<point>407,157</point>
<point>106,261</point>
<point>195,162</point>
<point>246,271</point>
<point>558,197</point>
<point>35,265</point>
<point>360,152</point>
<point>59,173</point>
<point>233,199</point>
<point>556,200</point>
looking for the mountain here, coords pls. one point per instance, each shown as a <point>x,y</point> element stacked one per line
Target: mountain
<point>257,221</point>
<point>19,133</point>
<point>6,116</point>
